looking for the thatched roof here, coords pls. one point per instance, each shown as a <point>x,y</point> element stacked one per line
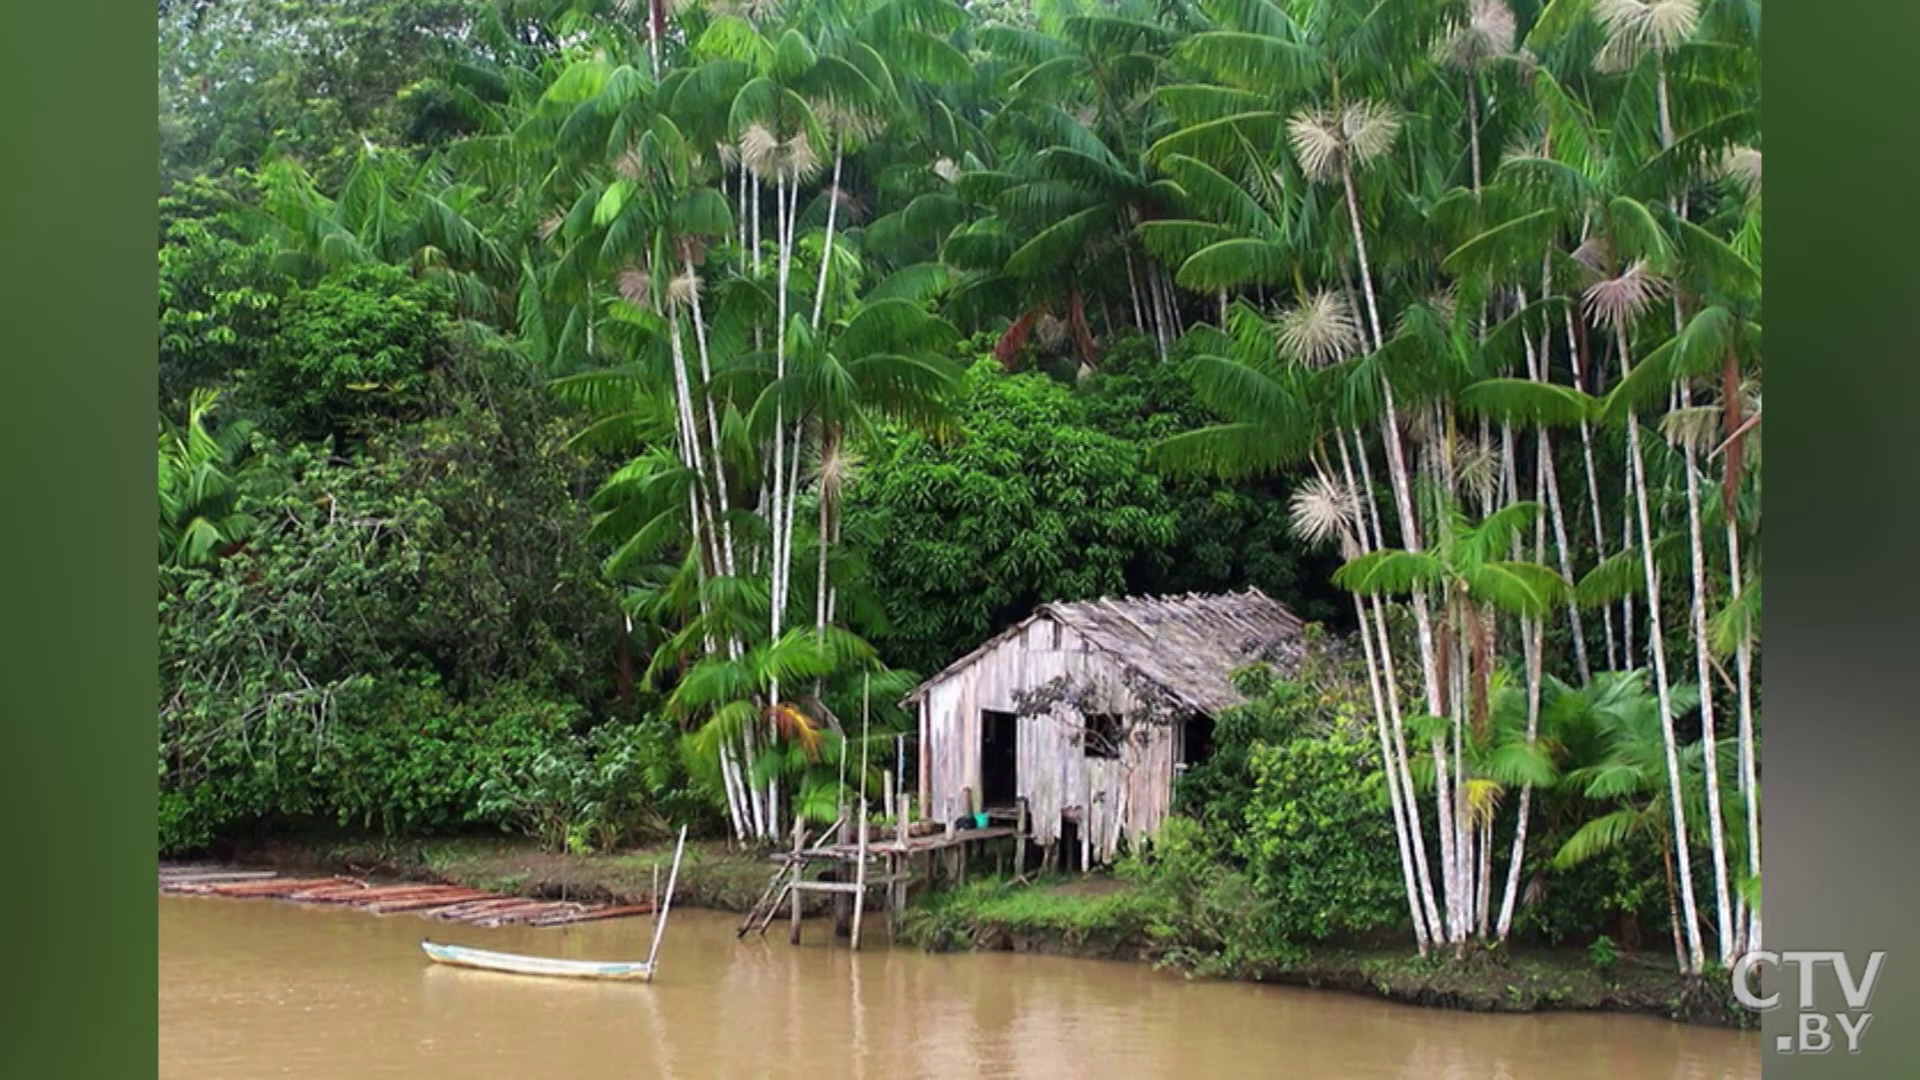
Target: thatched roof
<point>1188,645</point>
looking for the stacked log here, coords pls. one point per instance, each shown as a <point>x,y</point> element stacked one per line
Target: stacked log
<point>451,903</point>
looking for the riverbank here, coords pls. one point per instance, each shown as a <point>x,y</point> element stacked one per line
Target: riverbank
<point>1080,917</point>
<point>1105,919</point>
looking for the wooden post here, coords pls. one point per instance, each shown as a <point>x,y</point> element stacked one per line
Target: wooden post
<point>660,925</point>
<point>896,865</point>
<point>860,875</point>
<point>799,868</point>
<point>891,806</point>
<point>1020,840</point>
<point>842,914</point>
<point>656,887</point>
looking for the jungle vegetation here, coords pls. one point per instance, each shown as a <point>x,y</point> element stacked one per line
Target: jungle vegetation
<point>580,414</point>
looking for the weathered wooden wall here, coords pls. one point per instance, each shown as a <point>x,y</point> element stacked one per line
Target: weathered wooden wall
<point>1129,795</point>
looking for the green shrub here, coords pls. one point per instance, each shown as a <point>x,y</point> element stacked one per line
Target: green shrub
<point>1601,954</point>
<point>1206,915</point>
<point>1319,842</point>
<point>591,794</point>
<point>357,346</point>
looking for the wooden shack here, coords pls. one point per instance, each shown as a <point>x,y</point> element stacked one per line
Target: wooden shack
<point>1089,710</point>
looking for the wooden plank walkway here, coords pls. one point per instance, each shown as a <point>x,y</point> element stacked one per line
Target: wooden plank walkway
<point>451,903</point>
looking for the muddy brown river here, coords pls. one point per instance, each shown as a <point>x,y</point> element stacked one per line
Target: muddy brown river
<point>253,988</point>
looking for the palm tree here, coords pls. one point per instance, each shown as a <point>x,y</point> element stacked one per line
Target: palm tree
<point>1630,778</point>
<point>1463,568</point>
<point>203,481</point>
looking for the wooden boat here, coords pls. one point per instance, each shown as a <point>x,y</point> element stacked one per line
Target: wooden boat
<point>513,964</point>
<point>516,964</point>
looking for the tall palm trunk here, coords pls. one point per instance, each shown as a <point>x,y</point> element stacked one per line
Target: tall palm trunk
<point>1535,646</point>
<point>826,257</point>
<point>1390,679</point>
<point>1703,670</point>
<point>1703,660</point>
<point>726,552</point>
<point>1576,356</point>
<point>1547,481</point>
<point>1749,777</point>
<point>1656,644</point>
<point>1391,766</point>
<point>1410,539</point>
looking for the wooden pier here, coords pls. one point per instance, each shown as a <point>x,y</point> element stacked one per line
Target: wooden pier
<point>857,862</point>
<point>449,903</point>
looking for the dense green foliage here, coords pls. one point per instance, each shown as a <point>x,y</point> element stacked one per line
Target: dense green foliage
<point>579,416</point>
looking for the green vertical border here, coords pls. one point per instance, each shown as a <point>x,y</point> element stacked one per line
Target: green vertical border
<point>77,282</point>
<point>1843,733</point>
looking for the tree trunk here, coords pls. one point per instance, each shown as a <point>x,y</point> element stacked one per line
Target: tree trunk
<point>1656,643</point>
<point>1749,777</point>
<point>1703,670</point>
<point>1535,647</point>
<point>826,258</point>
<point>1548,481</point>
<point>1673,911</point>
<point>1409,799</point>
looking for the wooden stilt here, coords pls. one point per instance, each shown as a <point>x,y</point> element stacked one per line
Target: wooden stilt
<point>1020,842</point>
<point>860,876</point>
<point>897,885</point>
<point>1086,840</point>
<point>799,868</point>
<point>860,865</point>
<point>842,915</point>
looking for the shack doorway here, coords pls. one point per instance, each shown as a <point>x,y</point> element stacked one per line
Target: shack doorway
<point>999,759</point>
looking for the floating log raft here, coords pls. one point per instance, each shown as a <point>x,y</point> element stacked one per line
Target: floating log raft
<point>450,903</point>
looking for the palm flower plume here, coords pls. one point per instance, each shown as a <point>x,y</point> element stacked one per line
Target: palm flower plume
<point>1487,33</point>
<point>1321,510</point>
<point>838,468</point>
<point>803,162</point>
<point>630,164</point>
<point>769,157</point>
<point>682,289</point>
<point>1635,28</point>
<point>1619,300</point>
<point>1476,465</point>
<point>1326,140</point>
<point>1320,330</point>
<point>1697,429</point>
<point>1741,164</point>
<point>636,285</point>
<point>760,151</point>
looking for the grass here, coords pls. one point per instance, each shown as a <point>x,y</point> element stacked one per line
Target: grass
<point>1098,917</point>
<point>1081,916</point>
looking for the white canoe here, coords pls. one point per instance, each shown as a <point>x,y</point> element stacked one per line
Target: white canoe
<point>515,964</point>
<point>512,963</point>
